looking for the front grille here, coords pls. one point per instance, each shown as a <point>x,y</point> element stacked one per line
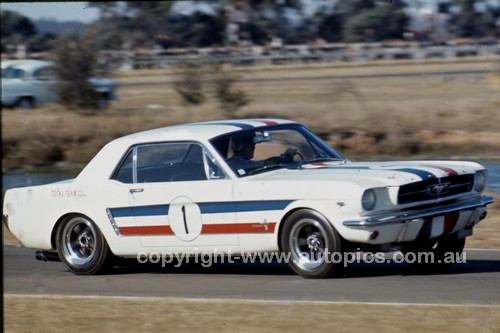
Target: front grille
<point>435,188</point>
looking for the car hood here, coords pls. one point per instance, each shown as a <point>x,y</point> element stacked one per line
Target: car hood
<point>373,173</point>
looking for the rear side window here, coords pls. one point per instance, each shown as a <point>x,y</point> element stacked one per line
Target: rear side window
<point>125,172</point>
<point>167,162</point>
<point>45,74</point>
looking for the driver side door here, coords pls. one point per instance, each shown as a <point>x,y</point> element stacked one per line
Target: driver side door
<point>179,197</point>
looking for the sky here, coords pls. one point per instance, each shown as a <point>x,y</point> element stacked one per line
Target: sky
<point>60,11</point>
<point>78,11</point>
<point>75,11</point>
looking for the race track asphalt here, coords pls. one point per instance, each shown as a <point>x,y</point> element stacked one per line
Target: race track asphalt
<point>475,282</point>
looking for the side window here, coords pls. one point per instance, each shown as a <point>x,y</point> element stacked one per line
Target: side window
<point>45,74</point>
<point>124,174</point>
<point>169,162</point>
<point>12,73</point>
<point>213,169</point>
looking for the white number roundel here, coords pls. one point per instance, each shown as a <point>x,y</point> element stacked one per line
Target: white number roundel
<point>184,217</point>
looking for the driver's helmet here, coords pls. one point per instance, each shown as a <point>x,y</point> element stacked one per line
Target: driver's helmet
<point>238,142</point>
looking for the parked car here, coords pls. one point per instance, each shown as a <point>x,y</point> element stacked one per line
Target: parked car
<point>26,83</point>
<point>244,186</point>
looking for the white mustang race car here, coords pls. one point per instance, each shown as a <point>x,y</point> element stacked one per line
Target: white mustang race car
<point>241,186</point>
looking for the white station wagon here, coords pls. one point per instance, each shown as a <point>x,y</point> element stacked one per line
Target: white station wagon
<point>242,186</point>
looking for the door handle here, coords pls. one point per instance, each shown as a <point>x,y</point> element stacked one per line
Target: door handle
<point>136,190</point>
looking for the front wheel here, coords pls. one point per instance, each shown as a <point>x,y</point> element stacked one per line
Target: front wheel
<point>311,241</point>
<point>81,246</point>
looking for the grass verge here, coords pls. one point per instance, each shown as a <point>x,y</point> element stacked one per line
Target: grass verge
<point>101,314</point>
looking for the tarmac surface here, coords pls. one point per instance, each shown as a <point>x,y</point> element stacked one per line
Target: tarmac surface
<point>475,282</point>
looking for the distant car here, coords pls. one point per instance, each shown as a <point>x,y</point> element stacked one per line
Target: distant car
<point>26,83</point>
<point>245,186</point>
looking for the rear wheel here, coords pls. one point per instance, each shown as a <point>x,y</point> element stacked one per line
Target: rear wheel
<point>311,241</point>
<point>81,246</point>
<point>25,103</point>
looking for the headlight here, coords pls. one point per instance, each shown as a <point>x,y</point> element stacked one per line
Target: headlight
<point>368,200</point>
<point>480,180</point>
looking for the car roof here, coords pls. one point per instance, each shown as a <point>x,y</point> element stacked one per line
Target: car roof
<point>26,64</point>
<point>203,130</point>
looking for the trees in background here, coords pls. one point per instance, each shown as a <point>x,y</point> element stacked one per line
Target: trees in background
<point>125,25</point>
<point>75,63</point>
<point>17,29</point>
<point>370,21</point>
<point>472,18</point>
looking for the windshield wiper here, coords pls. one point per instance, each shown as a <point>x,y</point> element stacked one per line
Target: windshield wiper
<point>320,159</point>
<point>266,167</point>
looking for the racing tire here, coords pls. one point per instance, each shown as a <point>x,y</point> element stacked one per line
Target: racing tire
<point>311,240</point>
<point>82,247</point>
<point>25,103</point>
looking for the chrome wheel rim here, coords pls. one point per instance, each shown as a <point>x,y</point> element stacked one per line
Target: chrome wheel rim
<point>308,244</point>
<point>79,241</point>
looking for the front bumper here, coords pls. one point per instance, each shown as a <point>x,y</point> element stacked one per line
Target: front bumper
<point>424,223</point>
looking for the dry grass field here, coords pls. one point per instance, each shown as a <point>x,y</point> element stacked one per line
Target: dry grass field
<point>379,117</point>
<point>60,313</point>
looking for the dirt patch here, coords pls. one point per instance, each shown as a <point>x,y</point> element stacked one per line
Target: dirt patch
<point>100,314</point>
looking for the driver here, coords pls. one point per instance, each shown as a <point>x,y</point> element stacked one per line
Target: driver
<point>243,147</point>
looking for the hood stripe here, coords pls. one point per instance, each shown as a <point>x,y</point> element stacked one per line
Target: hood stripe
<point>421,173</point>
<point>449,171</point>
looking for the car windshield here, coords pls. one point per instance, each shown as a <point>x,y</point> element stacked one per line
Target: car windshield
<point>12,73</point>
<point>273,147</point>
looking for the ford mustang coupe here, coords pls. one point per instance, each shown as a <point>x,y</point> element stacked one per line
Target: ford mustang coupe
<point>241,186</point>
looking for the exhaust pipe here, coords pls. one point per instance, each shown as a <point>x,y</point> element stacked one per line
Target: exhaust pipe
<point>47,256</point>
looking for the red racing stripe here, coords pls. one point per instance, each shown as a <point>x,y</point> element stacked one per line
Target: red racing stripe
<point>449,221</point>
<point>149,230</point>
<point>268,122</point>
<point>238,228</point>
<point>230,228</point>
<point>449,171</point>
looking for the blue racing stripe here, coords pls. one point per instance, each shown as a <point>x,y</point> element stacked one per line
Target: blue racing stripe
<point>205,208</point>
<point>421,173</point>
<point>250,206</point>
<point>242,206</point>
<point>140,211</point>
<point>426,230</point>
<point>240,125</point>
<point>216,207</point>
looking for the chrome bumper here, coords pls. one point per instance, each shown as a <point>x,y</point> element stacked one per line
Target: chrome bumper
<point>435,211</point>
